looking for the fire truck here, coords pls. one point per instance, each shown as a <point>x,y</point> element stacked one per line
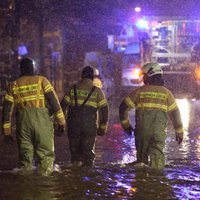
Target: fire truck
<point>173,43</point>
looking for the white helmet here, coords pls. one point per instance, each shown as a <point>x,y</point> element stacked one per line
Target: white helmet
<point>151,69</point>
<point>96,72</point>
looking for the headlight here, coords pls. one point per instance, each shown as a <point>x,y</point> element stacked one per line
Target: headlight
<point>197,73</point>
<point>137,73</point>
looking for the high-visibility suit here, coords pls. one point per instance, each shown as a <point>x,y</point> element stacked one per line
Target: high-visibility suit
<point>97,82</point>
<point>82,120</point>
<point>34,124</point>
<point>153,104</point>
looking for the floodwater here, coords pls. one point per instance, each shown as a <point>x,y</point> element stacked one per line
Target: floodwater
<point>112,177</point>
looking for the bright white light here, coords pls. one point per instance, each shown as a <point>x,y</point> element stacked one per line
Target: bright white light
<point>184,107</point>
<point>143,24</point>
<point>137,9</point>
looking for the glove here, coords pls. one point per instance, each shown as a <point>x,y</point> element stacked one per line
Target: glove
<point>179,137</point>
<point>60,130</point>
<point>101,132</point>
<point>8,139</point>
<point>129,131</point>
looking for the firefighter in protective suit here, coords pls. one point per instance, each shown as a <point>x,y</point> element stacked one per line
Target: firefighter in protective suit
<point>153,104</point>
<point>81,105</point>
<point>34,125</point>
<point>97,81</point>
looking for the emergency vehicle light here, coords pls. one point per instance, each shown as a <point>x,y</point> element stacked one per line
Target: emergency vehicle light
<point>137,73</point>
<point>197,73</point>
<point>142,24</point>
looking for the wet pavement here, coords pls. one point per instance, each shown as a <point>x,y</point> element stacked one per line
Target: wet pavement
<point>112,176</point>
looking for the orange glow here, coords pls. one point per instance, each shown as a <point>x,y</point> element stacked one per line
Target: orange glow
<point>137,73</point>
<point>197,73</point>
<point>133,189</point>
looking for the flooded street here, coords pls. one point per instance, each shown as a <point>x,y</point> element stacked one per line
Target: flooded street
<point>112,176</point>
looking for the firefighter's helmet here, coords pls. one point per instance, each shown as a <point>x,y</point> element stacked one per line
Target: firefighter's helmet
<point>96,72</point>
<point>151,69</point>
<point>27,66</point>
<point>88,72</point>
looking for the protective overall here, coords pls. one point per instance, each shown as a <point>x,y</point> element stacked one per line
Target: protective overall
<point>82,104</point>
<point>97,81</point>
<point>153,104</point>
<point>34,126</point>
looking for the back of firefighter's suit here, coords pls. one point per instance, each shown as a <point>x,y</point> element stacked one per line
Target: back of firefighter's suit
<point>153,103</point>
<point>30,94</point>
<point>81,105</point>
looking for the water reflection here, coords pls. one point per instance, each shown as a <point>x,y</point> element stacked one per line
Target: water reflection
<point>179,153</point>
<point>185,183</point>
<point>21,187</point>
<point>185,109</point>
<point>111,178</point>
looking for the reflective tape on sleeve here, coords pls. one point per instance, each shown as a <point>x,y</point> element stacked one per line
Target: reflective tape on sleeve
<point>125,123</point>
<point>7,125</point>
<point>9,98</point>
<point>48,88</point>
<point>172,107</point>
<point>59,115</point>
<point>102,103</point>
<point>67,99</point>
<point>103,126</point>
<point>129,102</point>
<point>179,130</point>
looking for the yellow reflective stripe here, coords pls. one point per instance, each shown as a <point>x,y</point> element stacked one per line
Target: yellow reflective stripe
<point>102,103</point>
<point>48,88</point>
<point>153,95</point>
<point>7,125</point>
<point>152,105</point>
<point>9,98</point>
<point>179,130</point>
<point>88,103</point>
<point>38,93</point>
<point>25,88</point>
<point>103,126</point>
<point>59,115</point>
<point>172,107</point>
<point>84,93</point>
<point>129,102</point>
<point>126,121</point>
<point>18,95</point>
<point>67,99</point>
<point>30,98</point>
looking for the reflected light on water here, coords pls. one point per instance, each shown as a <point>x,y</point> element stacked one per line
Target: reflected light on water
<point>190,188</point>
<point>121,186</point>
<point>184,106</point>
<point>198,147</point>
<point>129,155</point>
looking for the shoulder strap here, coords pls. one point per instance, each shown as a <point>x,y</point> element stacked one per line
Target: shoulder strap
<point>75,95</point>
<point>90,93</point>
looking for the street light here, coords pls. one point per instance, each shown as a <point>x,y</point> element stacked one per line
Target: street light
<point>137,9</point>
